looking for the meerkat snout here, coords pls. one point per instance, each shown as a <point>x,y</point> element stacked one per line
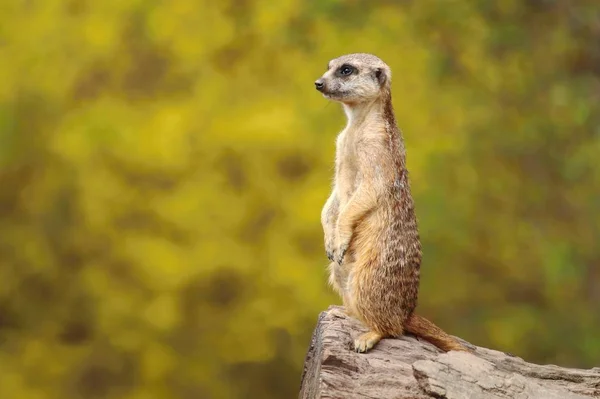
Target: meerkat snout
<point>319,85</point>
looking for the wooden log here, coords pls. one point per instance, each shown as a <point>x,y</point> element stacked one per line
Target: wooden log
<point>407,367</point>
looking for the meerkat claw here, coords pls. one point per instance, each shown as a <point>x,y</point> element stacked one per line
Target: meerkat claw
<point>340,255</point>
<point>330,255</point>
<point>366,341</point>
<point>330,249</point>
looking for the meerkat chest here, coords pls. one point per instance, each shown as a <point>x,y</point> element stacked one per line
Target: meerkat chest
<point>346,166</point>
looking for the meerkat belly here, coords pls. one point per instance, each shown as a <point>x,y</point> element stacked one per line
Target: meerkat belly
<point>346,182</point>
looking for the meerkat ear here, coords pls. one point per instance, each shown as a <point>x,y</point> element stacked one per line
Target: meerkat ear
<point>380,75</point>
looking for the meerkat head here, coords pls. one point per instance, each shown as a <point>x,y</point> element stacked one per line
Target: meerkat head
<point>355,78</point>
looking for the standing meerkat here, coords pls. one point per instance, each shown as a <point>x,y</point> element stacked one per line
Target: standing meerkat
<point>369,221</point>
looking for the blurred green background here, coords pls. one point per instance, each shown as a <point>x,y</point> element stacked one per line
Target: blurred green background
<point>163,165</point>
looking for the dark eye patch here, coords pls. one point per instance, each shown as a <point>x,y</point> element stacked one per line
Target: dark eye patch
<point>346,70</point>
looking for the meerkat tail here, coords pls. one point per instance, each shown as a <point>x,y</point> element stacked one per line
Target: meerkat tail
<point>423,328</point>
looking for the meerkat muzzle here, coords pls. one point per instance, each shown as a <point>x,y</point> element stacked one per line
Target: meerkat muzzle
<point>319,85</point>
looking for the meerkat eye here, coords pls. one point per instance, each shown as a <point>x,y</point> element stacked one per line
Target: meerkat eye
<point>346,70</point>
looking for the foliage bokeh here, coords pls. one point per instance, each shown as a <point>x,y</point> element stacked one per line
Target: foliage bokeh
<point>163,165</point>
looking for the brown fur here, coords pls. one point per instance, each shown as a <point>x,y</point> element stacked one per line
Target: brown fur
<point>369,220</point>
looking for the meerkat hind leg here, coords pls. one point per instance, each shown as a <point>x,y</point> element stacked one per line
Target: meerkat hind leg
<point>336,279</point>
<point>367,341</point>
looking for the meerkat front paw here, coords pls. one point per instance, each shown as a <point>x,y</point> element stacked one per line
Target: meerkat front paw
<point>330,248</point>
<point>343,242</point>
<point>339,254</point>
<point>366,341</point>
<point>341,250</point>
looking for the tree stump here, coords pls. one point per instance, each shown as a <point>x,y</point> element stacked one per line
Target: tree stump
<point>407,367</point>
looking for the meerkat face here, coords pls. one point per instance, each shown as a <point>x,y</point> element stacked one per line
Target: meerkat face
<point>354,78</point>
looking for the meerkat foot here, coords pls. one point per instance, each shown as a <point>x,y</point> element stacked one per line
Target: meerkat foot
<point>366,341</point>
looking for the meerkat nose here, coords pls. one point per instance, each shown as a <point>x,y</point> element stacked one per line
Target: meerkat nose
<point>319,84</point>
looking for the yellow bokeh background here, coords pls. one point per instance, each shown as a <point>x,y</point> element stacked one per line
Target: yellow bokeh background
<point>163,165</point>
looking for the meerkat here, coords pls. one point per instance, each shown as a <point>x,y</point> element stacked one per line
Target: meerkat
<point>369,220</point>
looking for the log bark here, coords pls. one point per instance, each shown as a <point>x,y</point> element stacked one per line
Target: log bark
<point>407,367</point>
